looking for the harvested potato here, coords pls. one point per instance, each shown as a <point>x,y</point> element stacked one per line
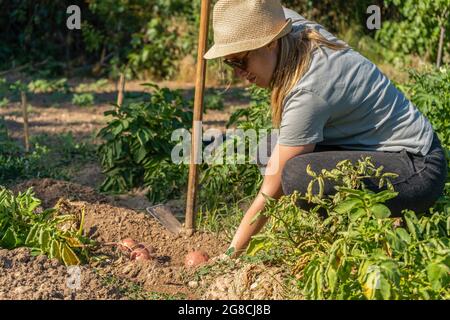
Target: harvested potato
<point>196,258</point>
<point>140,254</point>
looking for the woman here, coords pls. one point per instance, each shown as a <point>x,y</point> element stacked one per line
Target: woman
<point>329,103</point>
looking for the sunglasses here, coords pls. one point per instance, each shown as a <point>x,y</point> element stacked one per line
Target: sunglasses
<point>238,63</point>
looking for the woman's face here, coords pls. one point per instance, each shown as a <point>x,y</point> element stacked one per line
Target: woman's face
<point>259,64</point>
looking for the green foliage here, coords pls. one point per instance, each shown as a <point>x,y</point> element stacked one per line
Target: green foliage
<point>155,48</point>
<point>137,145</point>
<point>331,13</point>
<point>4,102</point>
<point>417,29</point>
<point>430,92</point>
<point>228,182</point>
<point>51,232</point>
<point>222,216</point>
<point>357,251</point>
<point>257,115</point>
<point>44,159</point>
<point>152,36</point>
<point>149,35</point>
<point>46,86</point>
<point>95,86</point>
<point>64,149</point>
<point>83,99</point>
<point>213,101</point>
<point>13,161</point>
<point>11,91</point>
<point>4,91</point>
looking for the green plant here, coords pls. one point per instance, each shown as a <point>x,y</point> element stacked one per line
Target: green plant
<point>214,101</point>
<point>46,86</point>
<point>357,251</point>
<point>48,232</point>
<point>257,115</point>
<point>83,99</point>
<point>227,183</point>
<point>47,158</point>
<point>137,145</point>
<point>430,92</point>
<point>417,29</point>
<point>14,163</point>
<point>95,86</point>
<point>4,90</point>
<point>4,102</point>
<point>64,148</point>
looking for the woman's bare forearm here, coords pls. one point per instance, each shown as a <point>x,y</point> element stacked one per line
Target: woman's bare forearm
<point>246,228</point>
<point>271,187</point>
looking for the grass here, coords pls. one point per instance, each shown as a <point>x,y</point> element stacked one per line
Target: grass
<point>51,156</point>
<point>223,218</point>
<point>134,291</point>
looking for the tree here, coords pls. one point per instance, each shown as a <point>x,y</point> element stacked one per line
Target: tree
<point>420,28</point>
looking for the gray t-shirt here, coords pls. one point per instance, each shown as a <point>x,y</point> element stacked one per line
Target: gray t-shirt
<point>344,99</point>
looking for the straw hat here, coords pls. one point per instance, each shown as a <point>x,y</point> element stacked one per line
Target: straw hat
<point>244,25</point>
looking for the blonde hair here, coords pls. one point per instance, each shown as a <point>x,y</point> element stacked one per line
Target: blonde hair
<point>294,59</point>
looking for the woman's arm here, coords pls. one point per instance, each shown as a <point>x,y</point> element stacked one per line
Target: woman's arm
<point>272,187</point>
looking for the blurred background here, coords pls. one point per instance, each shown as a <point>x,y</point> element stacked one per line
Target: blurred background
<point>157,38</point>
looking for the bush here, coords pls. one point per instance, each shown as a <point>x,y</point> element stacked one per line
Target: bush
<point>149,35</point>
<point>137,145</point>
<point>417,29</point>
<point>430,92</point>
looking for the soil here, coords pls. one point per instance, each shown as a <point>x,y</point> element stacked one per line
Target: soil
<point>247,282</point>
<point>23,276</point>
<point>49,191</point>
<point>105,223</point>
<point>50,114</point>
<point>111,274</point>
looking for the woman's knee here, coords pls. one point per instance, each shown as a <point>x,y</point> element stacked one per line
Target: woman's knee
<point>294,176</point>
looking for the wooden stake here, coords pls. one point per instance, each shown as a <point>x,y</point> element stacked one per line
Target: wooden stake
<point>441,47</point>
<point>26,132</point>
<point>198,115</point>
<point>121,89</point>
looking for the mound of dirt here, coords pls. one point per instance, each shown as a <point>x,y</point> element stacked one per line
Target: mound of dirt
<point>23,276</point>
<point>248,282</point>
<point>51,190</point>
<point>106,224</point>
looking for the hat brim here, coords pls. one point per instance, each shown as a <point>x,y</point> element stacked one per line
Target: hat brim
<point>217,51</point>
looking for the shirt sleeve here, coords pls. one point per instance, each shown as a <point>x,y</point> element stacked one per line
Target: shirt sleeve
<point>303,119</point>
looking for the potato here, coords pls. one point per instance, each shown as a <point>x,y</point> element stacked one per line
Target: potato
<point>140,254</point>
<point>195,258</point>
<point>127,245</point>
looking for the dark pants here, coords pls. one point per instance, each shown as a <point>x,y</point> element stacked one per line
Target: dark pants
<point>420,183</point>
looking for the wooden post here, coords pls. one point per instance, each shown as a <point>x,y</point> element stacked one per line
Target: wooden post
<point>26,132</point>
<point>198,115</point>
<point>121,89</point>
<point>441,47</point>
